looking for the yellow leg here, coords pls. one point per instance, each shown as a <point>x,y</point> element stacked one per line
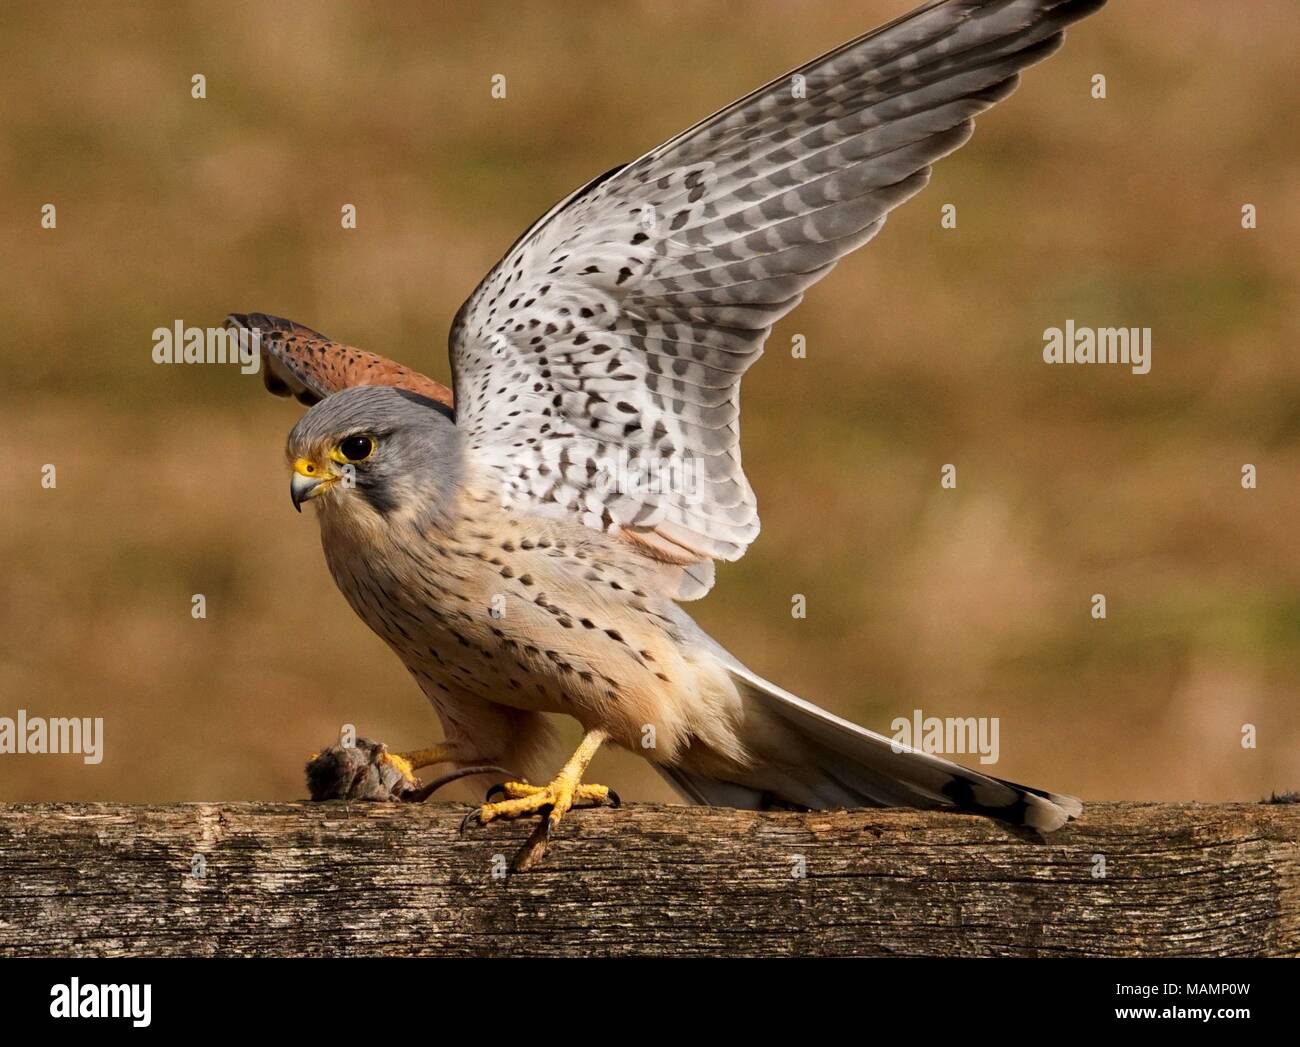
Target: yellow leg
<point>564,791</point>
<point>417,758</point>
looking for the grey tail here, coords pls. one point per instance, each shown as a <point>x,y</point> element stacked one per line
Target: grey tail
<point>837,764</point>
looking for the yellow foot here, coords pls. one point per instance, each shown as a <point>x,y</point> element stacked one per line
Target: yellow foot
<point>553,800</point>
<point>550,801</point>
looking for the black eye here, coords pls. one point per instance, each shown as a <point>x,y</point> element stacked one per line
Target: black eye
<point>357,448</point>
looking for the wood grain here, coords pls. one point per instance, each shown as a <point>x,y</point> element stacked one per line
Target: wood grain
<point>393,879</point>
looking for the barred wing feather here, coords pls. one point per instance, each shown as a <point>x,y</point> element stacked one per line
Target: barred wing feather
<point>598,365</point>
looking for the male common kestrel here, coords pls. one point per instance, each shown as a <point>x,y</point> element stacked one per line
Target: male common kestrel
<point>523,552</point>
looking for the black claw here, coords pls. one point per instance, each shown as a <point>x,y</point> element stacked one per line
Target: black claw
<point>474,816</point>
<point>614,799</point>
<point>500,788</point>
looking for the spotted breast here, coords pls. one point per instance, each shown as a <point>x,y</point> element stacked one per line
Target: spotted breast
<point>528,613</point>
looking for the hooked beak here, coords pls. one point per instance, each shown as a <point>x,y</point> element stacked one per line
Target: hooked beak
<point>307,481</point>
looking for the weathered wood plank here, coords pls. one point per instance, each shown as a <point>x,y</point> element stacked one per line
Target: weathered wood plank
<point>304,879</point>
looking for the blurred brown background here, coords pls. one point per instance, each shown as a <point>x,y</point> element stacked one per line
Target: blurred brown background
<point>924,349</point>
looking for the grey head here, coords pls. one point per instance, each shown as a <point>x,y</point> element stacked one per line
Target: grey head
<point>375,451</point>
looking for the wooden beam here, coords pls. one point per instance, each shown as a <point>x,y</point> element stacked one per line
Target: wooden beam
<point>1129,879</point>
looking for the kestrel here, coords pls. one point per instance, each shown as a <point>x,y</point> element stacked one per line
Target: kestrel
<point>524,552</point>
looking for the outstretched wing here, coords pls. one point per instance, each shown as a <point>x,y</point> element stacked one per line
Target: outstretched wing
<point>307,365</point>
<point>597,367</point>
